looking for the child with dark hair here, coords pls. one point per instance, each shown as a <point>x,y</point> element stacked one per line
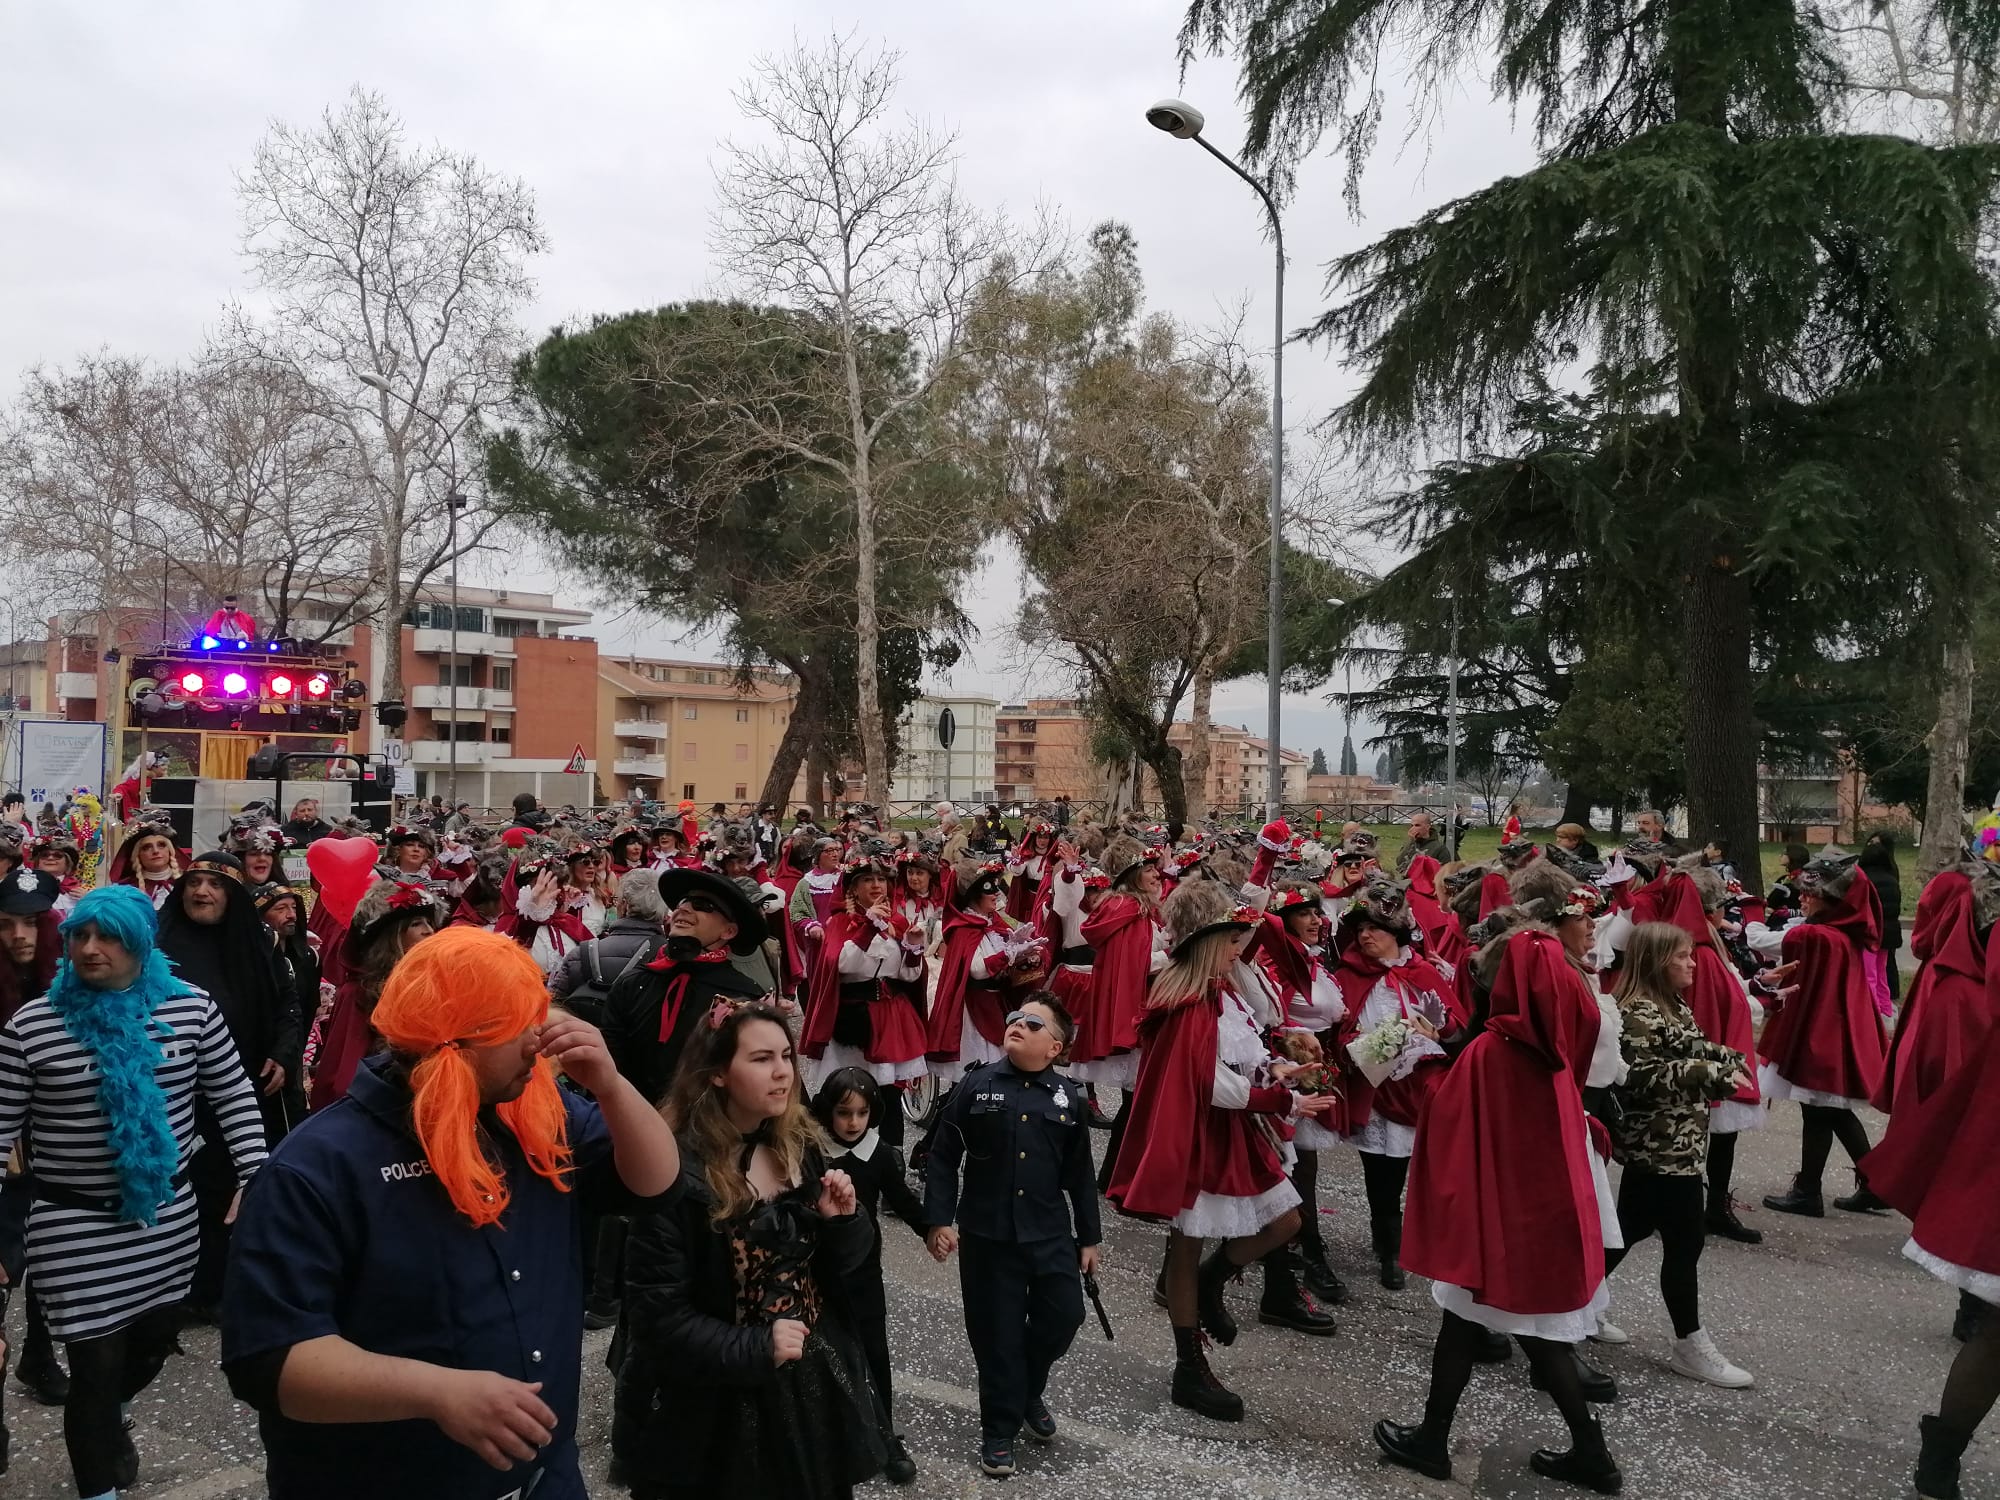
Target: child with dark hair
<point>847,1106</point>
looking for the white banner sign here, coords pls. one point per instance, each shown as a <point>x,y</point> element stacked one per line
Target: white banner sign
<point>58,757</point>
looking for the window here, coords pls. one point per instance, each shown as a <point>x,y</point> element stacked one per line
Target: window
<point>690,712</point>
<point>742,791</point>
<point>688,748</point>
<point>743,716</point>
<point>464,674</point>
<point>503,678</point>
<point>687,791</point>
<point>503,734</point>
<point>508,627</point>
<point>1025,726</point>
<point>742,752</point>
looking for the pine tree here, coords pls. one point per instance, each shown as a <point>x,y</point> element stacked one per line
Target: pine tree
<point>1318,767</point>
<point>1771,310</point>
<point>1349,765</point>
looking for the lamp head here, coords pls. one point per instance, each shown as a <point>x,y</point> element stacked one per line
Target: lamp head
<point>1178,118</point>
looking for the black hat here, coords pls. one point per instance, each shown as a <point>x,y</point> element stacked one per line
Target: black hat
<point>971,881</point>
<point>28,893</point>
<point>218,862</point>
<point>679,882</point>
<point>270,893</point>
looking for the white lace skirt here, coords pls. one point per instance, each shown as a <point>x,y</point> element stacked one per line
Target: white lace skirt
<point>1313,1136</point>
<point>1562,1328</point>
<point>1215,1217</point>
<point>1118,1071</point>
<point>1383,1137</point>
<point>1732,1118</point>
<point>1774,1086</point>
<point>1982,1284</point>
<point>839,1055</point>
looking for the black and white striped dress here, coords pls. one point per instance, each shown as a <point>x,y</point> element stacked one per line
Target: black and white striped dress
<point>93,1272</point>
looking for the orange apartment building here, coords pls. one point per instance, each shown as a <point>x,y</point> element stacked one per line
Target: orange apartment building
<point>1041,751</point>
<point>686,729</point>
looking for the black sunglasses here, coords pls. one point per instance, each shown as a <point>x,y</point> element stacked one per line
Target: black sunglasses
<point>1032,1022</point>
<point>697,902</point>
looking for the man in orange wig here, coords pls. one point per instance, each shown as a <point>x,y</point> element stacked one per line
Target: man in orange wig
<point>405,1296</point>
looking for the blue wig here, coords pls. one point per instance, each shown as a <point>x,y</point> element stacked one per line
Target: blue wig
<point>117,1028</point>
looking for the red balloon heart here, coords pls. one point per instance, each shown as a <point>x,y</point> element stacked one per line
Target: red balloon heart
<point>344,868</point>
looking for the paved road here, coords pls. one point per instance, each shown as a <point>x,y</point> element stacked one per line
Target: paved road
<point>1848,1341</point>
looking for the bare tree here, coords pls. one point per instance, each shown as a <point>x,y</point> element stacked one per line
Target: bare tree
<point>855,223</point>
<point>1909,70</point>
<point>395,274</point>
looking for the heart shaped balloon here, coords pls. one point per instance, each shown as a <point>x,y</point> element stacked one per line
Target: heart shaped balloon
<point>344,868</point>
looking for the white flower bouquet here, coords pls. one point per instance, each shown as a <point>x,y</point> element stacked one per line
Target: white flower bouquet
<point>1376,1052</point>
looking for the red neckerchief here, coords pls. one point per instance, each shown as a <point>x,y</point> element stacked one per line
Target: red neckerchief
<point>677,987</point>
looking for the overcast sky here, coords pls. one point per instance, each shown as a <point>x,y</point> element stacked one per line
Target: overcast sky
<point>124,122</point>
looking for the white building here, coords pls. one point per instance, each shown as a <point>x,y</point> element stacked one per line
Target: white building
<point>925,770</point>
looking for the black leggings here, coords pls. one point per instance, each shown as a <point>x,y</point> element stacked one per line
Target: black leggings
<point>1649,1201</point>
<point>1305,1178</point>
<point>1383,1177</point>
<point>1974,1380</point>
<point>104,1373</point>
<point>1451,1369</point>
<point>1821,1125</point>
<point>1721,1168</point>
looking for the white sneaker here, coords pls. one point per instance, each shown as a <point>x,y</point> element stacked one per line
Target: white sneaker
<point>1697,1358</point>
<point>1609,1332</point>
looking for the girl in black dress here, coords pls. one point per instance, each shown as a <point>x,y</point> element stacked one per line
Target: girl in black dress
<point>847,1106</point>
<point>740,1372</point>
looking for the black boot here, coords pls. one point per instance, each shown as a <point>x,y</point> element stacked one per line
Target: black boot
<point>900,1467</point>
<point>1598,1388</point>
<point>1937,1460</point>
<point>1491,1348</point>
<point>1388,1237</point>
<point>1965,1322</point>
<point>1283,1304</point>
<point>1589,1463</point>
<point>1414,1448</point>
<point>1195,1385</point>
<point>1803,1199</point>
<point>1321,1279</point>
<point>1861,1200</point>
<point>1723,1223</point>
<point>1215,1273</point>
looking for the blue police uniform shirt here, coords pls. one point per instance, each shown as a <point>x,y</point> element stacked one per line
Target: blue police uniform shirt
<point>1024,1139</point>
<point>346,1231</point>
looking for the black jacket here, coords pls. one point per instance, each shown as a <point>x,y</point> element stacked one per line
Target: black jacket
<point>633,1013</point>
<point>1888,883</point>
<point>1024,1139</point>
<point>622,937</point>
<point>683,1361</point>
<point>877,1179</point>
<point>302,834</point>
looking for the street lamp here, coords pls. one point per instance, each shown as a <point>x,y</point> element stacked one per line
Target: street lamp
<point>1184,122</point>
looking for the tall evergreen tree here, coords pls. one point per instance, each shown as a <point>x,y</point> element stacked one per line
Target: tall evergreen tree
<point>1318,766</point>
<point>1350,765</point>
<point>1776,311</point>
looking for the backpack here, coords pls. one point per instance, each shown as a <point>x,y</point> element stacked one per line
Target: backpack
<point>587,999</point>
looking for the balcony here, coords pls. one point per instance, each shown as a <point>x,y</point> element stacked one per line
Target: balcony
<point>640,729</point>
<point>427,642</point>
<point>432,695</point>
<point>640,765</point>
<point>470,752</point>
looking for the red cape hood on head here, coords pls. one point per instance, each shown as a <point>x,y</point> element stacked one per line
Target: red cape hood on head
<point>1494,893</point>
<point>1501,1199</point>
<point>1953,1002</point>
<point>1827,1037</point>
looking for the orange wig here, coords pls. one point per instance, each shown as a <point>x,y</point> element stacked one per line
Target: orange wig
<point>466,987</point>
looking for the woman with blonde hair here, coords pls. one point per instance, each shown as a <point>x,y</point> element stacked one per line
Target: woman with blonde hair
<point>1199,1152</point>
<point>742,1373</point>
<point>1673,1074</point>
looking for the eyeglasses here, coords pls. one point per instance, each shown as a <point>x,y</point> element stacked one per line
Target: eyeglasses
<point>702,904</point>
<point>1024,1018</point>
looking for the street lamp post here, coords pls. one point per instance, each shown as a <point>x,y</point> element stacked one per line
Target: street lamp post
<point>1184,122</point>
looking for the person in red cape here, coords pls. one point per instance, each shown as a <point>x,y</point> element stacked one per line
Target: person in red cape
<point>391,918</point>
<point>626,851</point>
<point>856,1015</point>
<point>815,897</point>
<point>230,623</point>
<point>1939,1166</point>
<point>533,913</point>
<point>1444,940</point>
<point>1028,862</point>
<point>1824,1046</point>
<point>976,976</point>
<point>1381,981</point>
<point>1128,943</point>
<point>148,858</point>
<point>1949,1012</point>
<point>1201,1152</point>
<point>1288,947</point>
<point>1509,1209</point>
<point>1693,900</point>
<point>794,859</point>
<point>1074,891</point>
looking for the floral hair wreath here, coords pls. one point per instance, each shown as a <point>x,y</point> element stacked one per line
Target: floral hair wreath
<point>1583,901</point>
<point>407,896</point>
<point>1298,898</point>
<point>720,1012</point>
<point>1095,879</point>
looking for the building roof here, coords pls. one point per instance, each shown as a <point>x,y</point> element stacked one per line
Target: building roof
<point>633,684</point>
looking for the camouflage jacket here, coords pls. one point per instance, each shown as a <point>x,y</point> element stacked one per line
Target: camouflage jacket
<point>1674,1072</point>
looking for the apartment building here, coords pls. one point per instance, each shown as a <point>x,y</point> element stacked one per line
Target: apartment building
<point>688,729</point>
<point>926,771</point>
<point>1042,750</point>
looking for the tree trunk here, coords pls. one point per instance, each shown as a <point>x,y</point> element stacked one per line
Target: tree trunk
<point>819,768</point>
<point>1167,766</point>
<point>1194,763</point>
<point>1716,710</point>
<point>800,731</point>
<point>867,627</point>
<point>1576,804</point>
<point>1950,746</point>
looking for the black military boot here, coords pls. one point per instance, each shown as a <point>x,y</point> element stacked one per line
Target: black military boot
<point>1216,1272</point>
<point>1195,1384</point>
<point>1937,1460</point>
<point>1284,1305</point>
<point>1589,1463</point>
<point>1803,1199</point>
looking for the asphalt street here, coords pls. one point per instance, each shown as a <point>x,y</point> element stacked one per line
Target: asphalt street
<point>1848,1341</point>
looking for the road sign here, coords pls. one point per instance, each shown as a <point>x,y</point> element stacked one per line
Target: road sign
<point>576,762</point>
<point>394,751</point>
<point>947,727</point>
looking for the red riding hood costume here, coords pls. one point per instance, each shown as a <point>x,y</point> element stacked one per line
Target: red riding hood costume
<point>1824,1045</point>
<point>968,1019</point>
<point>1128,946</point>
<point>1949,1014</point>
<point>856,1016</point>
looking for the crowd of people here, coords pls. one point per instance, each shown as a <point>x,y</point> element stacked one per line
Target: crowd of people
<point>408,1121</point>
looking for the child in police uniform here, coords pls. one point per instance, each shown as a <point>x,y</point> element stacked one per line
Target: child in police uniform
<point>1023,1131</point>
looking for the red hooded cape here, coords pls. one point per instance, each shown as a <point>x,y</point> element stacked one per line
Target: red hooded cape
<point>1176,1146</point>
<point>1120,934</point>
<point>1719,1006</point>
<point>962,933</point>
<point>345,1037</point>
<point>1949,1013</point>
<point>511,923</point>
<point>1501,1199</point>
<point>1442,937</point>
<point>894,1032</point>
<point>1494,893</point>
<point>1939,1165</point>
<point>1828,1037</point>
